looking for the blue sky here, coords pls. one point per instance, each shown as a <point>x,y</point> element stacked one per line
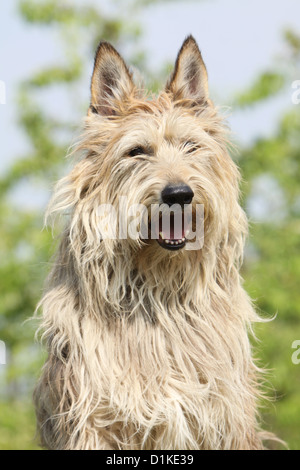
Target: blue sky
<point>238,39</point>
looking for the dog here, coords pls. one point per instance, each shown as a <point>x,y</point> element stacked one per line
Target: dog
<point>148,338</point>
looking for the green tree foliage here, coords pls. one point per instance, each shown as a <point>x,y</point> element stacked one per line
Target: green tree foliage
<point>272,266</point>
<point>271,190</point>
<point>266,85</point>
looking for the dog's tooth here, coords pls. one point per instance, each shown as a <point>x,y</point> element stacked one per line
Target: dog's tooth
<point>172,243</point>
<point>176,243</point>
<point>186,233</point>
<point>167,241</point>
<point>162,235</point>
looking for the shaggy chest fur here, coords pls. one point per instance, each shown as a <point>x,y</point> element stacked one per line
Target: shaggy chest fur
<point>164,393</point>
<point>174,383</point>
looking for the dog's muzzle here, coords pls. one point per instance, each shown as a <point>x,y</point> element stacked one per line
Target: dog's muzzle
<point>173,225</point>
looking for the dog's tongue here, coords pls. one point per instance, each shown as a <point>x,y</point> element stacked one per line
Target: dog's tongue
<point>176,233</point>
<point>173,231</point>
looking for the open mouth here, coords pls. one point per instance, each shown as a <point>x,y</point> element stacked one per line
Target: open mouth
<point>173,244</point>
<point>174,236</point>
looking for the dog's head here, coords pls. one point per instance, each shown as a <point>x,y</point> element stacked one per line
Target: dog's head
<point>146,157</point>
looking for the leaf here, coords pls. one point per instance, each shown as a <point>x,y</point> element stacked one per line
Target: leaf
<point>267,85</point>
<point>53,75</point>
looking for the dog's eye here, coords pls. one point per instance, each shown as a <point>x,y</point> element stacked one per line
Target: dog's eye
<point>190,146</point>
<point>136,151</point>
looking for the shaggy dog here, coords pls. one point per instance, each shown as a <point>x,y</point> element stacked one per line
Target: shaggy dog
<point>147,337</point>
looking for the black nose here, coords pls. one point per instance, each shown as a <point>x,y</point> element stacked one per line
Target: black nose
<point>177,194</point>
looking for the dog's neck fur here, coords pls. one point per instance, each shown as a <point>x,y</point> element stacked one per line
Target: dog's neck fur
<point>128,285</point>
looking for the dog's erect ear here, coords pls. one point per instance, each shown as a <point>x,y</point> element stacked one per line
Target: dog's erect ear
<point>111,80</point>
<point>189,78</point>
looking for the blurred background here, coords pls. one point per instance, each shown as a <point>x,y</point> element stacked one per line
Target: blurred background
<point>252,53</point>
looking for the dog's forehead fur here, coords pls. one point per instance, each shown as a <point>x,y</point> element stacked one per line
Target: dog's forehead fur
<point>156,122</point>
